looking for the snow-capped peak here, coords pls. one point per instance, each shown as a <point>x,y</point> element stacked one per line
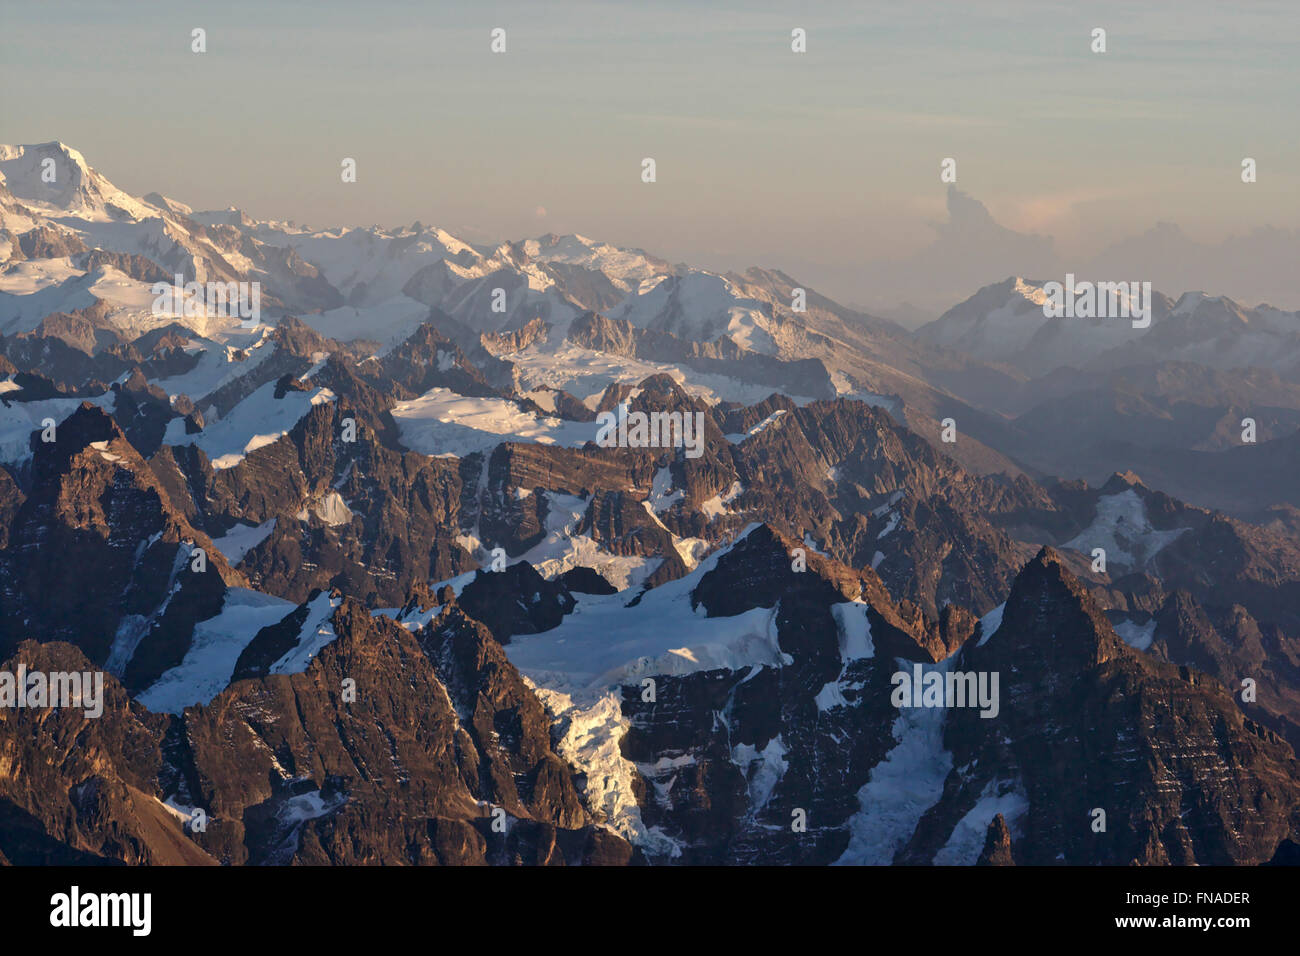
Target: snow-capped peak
<point>56,176</point>
<point>1034,292</point>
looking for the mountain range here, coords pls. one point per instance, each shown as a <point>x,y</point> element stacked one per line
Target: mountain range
<point>366,587</point>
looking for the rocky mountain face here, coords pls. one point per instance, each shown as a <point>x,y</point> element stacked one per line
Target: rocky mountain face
<point>84,792</point>
<point>764,735</point>
<point>295,769</point>
<point>1095,725</point>
<point>98,557</point>
<point>733,759</point>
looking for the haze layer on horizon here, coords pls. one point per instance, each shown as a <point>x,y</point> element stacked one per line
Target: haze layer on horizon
<point>824,164</point>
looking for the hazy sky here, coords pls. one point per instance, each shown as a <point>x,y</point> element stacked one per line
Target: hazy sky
<point>811,163</point>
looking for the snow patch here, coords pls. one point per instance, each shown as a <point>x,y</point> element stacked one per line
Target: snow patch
<point>990,623</point>
<point>214,650</point>
<point>902,786</point>
<point>1123,529</point>
<point>315,634</point>
<point>717,505</point>
<point>967,840</point>
<point>1137,636</point>
<point>241,539</point>
<point>444,423</point>
<point>763,769</point>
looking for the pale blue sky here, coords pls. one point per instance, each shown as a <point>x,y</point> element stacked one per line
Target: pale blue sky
<point>807,162</point>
